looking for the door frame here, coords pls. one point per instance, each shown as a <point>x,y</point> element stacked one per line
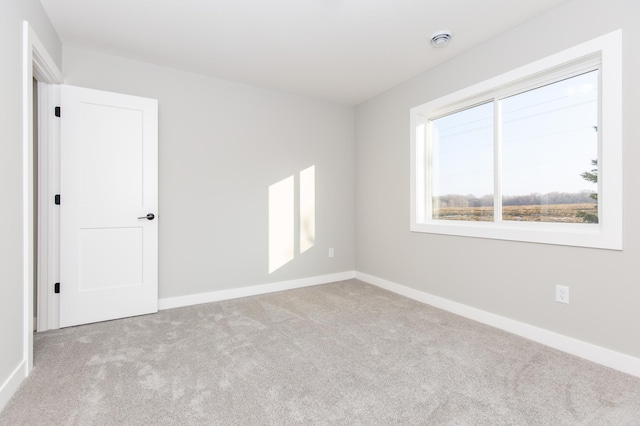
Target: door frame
<point>38,63</point>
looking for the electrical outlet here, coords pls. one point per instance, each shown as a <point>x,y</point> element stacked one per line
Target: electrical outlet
<point>331,252</point>
<point>562,294</point>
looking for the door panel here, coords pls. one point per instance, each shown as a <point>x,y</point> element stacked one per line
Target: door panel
<point>123,248</point>
<point>108,181</point>
<point>110,150</point>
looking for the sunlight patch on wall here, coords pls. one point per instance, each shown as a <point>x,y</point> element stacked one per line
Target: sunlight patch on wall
<point>307,208</point>
<point>281,223</point>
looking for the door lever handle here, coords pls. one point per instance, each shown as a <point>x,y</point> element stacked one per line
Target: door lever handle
<point>149,216</point>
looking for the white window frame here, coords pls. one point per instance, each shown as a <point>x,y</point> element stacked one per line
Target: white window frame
<point>603,53</point>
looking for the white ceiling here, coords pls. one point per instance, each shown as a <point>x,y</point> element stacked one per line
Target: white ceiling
<point>339,50</point>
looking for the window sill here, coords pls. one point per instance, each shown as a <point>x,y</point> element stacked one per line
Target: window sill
<point>577,235</point>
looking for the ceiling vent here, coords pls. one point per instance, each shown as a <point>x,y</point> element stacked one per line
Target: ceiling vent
<point>441,38</point>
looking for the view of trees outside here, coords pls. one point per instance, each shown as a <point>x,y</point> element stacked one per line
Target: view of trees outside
<point>548,139</point>
<point>591,215</point>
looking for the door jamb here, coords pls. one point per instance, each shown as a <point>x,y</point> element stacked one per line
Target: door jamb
<point>48,240</point>
<point>38,63</point>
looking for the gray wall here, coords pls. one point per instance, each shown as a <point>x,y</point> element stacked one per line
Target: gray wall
<point>515,280</point>
<point>221,145</point>
<point>12,13</point>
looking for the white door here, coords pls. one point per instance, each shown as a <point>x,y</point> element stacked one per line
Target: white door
<point>109,206</point>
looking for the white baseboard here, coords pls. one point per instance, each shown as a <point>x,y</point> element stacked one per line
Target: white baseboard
<point>597,354</point>
<point>235,293</point>
<point>9,387</point>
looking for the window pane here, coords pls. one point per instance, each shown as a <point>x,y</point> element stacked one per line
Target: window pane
<point>550,152</point>
<point>462,165</point>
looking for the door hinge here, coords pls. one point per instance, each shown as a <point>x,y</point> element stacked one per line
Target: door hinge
<point>57,111</point>
<point>56,199</point>
<point>56,288</point>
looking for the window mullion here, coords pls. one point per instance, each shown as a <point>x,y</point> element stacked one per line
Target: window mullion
<point>497,161</point>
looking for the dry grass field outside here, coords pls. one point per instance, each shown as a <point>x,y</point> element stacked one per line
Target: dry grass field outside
<point>558,213</point>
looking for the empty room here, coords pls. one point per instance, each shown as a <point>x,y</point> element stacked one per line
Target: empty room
<point>268,212</point>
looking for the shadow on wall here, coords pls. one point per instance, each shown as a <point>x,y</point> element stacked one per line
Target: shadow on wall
<point>282,219</point>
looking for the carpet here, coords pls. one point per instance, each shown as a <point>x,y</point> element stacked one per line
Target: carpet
<point>341,353</point>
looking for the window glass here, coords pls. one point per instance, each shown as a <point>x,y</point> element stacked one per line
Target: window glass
<point>462,165</point>
<point>550,151</point>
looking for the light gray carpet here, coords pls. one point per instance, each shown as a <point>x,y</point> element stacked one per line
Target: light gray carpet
<point>344,353</point>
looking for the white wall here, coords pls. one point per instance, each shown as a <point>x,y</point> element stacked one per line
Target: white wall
<point>511,279</point>
<point>12,14</point>
<point>221,145</point>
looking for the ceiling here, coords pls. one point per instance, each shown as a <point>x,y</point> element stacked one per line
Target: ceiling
<point>343,51</point>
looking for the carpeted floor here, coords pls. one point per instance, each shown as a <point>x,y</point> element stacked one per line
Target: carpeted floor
<point>343,353</point>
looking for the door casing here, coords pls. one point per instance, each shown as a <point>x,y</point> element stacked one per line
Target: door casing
<point>37,63</point>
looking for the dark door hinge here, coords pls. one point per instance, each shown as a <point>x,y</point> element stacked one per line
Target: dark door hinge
<point>56,288</point>
<point>57,111</point>
<point>56,199</point>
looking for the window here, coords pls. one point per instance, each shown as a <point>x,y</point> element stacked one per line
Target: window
<point>533,155</point>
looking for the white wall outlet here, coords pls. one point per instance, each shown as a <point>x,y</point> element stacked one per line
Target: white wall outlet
<point>562,294</point>
<point>331,252</point>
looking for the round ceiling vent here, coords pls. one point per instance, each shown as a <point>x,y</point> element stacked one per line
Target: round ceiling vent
<point>441,38</point>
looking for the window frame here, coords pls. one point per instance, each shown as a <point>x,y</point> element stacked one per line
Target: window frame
<point>603,53</point>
